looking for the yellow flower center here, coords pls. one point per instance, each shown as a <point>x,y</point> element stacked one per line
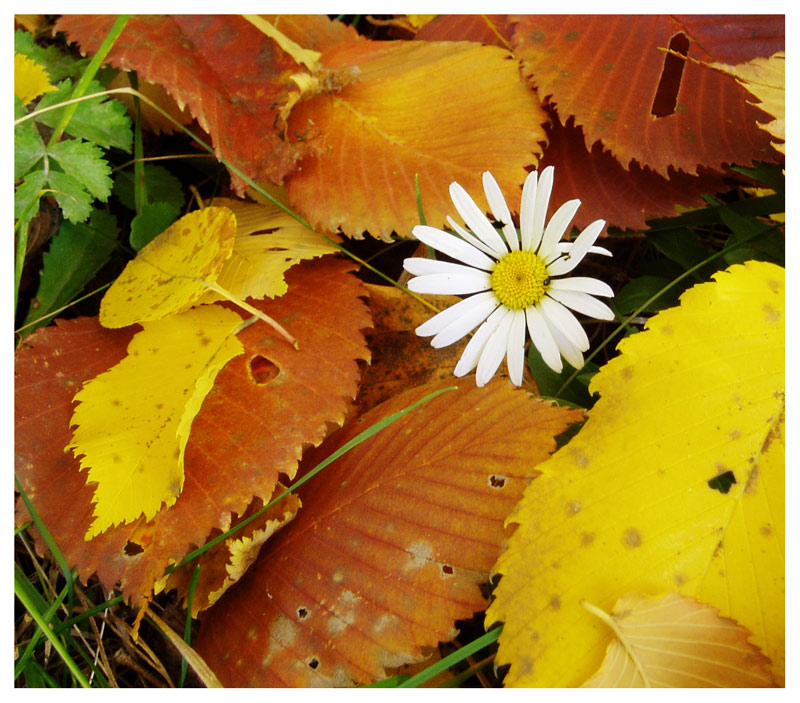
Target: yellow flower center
<point>520,279</point>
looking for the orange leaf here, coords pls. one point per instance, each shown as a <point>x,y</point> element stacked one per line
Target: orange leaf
<point>674,641</point>
<point>231,76</point>
<point>606,70</point>
<point>427,108</point>
<point>229,459</point>
<point>391,544</point>
<point>484,29</point>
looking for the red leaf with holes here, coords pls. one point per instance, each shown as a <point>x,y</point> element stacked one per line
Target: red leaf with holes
<point>265,407</point>
<point>612,73</point>
<point>233,78</point>
<point>623,198</point>
<point>391,544</point>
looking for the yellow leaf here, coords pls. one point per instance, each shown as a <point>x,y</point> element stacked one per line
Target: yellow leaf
<point>30,79</point>
<point>132,422</point>
<point>268,242</point>
<point>635,501</point>
<point>171,273</point>
<point>676,642</point>
<point>765,78</point>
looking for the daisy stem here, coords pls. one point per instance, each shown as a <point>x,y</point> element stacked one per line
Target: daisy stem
<point>652,299</point>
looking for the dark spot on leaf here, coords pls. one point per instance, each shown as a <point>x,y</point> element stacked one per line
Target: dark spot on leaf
<point>205,341</point>
<point>537,37</point>
<point>770,313</point>
<point>766,530</point>
<point>132,549</point>
<point>302,613</point>
<point>680,579</point>
<point>262,370</point>
<point>631,538</point>
<point>587,538</point>
<point>722,482</point>
<point>497,481</point>
<point>313,663</point>
<point>116,402</point>
<point>607,67</point>
<point>555,603</point>
<point>116,458</point>
<point>573,507</point>
<point>666,97</point>
<point>572,35</point>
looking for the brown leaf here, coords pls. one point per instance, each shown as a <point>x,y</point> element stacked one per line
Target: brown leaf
<point>400,359</point>
<point>674,641</point>
<point>391,545</point>
<point>230,456</point>
<point>377,133</point>
<point>737,38</point>
<point>606,70</point>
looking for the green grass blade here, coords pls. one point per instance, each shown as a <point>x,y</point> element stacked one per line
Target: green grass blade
<point>454,658</point>
<point>22,592</point>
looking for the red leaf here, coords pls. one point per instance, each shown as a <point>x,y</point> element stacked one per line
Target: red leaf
<point>484,29</point>
<point>391,544</point>
<point>606,70</point>
<point>232,77</point>
<point>624,198</point>
<point>737,38</point>
<point>266,405</point>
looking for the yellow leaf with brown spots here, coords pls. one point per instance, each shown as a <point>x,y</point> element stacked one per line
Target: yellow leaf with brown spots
<point>171,273</point>
<point>268,243</point>
<point>673,641</point>
<point>676,481</point>
<point>132,422</point>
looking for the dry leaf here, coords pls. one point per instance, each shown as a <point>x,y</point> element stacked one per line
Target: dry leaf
<point>674,641</point>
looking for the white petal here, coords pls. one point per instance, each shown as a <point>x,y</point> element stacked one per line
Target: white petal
<point>446,317</point>
<point>515,353</point>
<point>469,237</point>
<point>543,339</point>
<point>472,352</point>
<point>566,348</point>
<point>453,246</point>
<point>472,314</point>
<point>462,283</point>
<point>582,303</point>
<point>543,190</point>
<point>578,250</point>
<point>500,209</point>
<point>582,284</point>
<point>423,267</point>
<point>558,317</point>
<point>564,247</point>
<point>526,210</point>
<point>494,351</point>
<point>476,220</point>
<point>557,226</point>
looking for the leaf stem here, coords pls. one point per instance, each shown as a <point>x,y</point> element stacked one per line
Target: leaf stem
<point>253,311</point>
<point>608,620</point>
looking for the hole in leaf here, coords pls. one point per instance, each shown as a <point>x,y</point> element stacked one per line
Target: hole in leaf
<point>666,98</point>
<point>132,549</point>
<point>313,663</point>
<point>302,613</point>
<point>722,482</point>
<point>497,481</point>
<point>447,569</point>
<point>262,370</point>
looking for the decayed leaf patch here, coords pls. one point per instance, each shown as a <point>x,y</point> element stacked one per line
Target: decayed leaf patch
<point>391,543</point>
<point>635,501</point>
<point>229,457</point>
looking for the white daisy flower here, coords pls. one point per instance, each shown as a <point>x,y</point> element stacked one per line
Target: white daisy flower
<point>518,281</point>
